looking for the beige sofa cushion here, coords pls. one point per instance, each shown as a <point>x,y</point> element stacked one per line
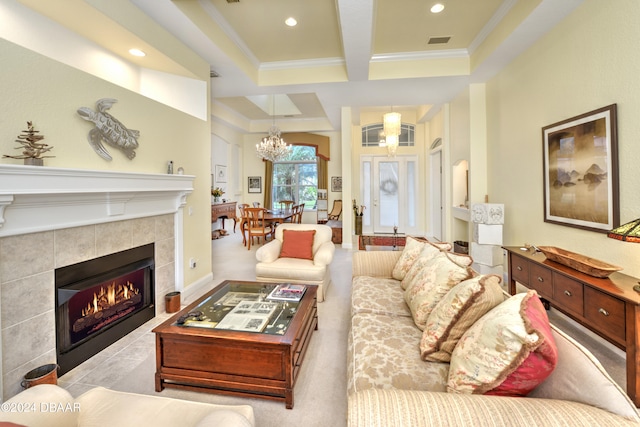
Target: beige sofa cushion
<point>383,353</point>
<point>460,308</point>
<point>378,295</point>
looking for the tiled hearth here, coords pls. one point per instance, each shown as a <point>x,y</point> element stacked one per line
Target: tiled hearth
<point>114,212</point>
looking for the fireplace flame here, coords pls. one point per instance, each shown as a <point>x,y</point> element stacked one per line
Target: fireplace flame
<point>112,295</point>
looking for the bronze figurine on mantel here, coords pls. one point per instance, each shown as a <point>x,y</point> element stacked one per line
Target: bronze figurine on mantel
<point>109,129</point>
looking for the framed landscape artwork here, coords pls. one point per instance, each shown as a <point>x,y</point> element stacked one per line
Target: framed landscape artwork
<point>581,171</point>
<point>255,184</point>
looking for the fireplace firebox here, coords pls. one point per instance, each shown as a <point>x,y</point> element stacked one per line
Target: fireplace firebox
<point>101,300</point>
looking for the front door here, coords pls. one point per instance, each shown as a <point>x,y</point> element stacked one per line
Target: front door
<point>389,194</point>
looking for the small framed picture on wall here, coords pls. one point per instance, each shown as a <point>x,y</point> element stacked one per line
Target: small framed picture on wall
<point>221,173</point>
<point>336,184</point>
<point>255,184</point>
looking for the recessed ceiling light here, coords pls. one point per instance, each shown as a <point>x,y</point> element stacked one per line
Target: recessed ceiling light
<point>137,52</point>
<point>437,8</point>
<point>291,21</point>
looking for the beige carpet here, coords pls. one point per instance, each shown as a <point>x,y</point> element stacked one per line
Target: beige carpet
<point>320,392</point>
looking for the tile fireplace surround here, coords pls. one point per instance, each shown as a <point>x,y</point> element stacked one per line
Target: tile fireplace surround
<point>50,218</point>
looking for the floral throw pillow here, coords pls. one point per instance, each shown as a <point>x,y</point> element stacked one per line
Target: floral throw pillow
<point>431,284</point>
<point>428,252</point>
<point>460,308</point>
<point>508,352</point>
<point>412,250</point>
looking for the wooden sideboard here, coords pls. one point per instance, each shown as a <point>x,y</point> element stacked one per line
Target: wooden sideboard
<point>224,210</point>
<point>610,307</point>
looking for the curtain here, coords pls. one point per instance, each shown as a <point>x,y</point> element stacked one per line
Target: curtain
<point>323,173</point>
<point>268,180</point>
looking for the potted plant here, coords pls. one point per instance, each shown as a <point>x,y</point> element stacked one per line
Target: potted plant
<point>32,148</point>
<point>217,193</point>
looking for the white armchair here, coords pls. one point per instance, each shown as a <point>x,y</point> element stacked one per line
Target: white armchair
<point>272,268</point>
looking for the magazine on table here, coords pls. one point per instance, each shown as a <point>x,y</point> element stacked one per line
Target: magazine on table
<point>287,292</point>
<point>248,316</point>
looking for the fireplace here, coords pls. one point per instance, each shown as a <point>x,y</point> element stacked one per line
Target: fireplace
<point>101,300</point>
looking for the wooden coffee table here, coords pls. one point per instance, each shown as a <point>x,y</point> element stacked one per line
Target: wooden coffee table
<point>199,355</point>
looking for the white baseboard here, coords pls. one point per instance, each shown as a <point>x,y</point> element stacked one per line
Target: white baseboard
<point>196,289</point>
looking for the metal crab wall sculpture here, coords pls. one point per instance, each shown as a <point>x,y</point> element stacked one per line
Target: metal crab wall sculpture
<point>109,129</point>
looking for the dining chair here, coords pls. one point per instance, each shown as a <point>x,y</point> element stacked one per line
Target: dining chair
<point>256,225</point>
<point>286,204</point>
<point>294,217</point>
<point>242,220</point>
<point>300,212</point>
<point>336,210</point>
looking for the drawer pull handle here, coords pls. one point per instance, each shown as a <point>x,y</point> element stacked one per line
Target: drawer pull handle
<point>519,268</point>
<point>540,279</point>
<point>603,311</point>
<point>567,293</point>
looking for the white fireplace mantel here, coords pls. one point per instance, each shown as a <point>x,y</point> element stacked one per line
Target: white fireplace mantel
<point>36,198</point>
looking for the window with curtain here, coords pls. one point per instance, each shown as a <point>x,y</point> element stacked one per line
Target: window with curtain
<point>296,178</point>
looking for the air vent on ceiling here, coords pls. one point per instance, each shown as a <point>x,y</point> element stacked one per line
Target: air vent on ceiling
<point>233,1</point>
<point>213,74</point>
<point>439,40</point>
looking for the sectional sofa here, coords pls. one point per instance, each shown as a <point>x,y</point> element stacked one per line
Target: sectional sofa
<point>459,351</point>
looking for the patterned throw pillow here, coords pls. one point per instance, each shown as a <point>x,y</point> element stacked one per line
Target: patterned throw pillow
<point>410,253</point>
<point>428,251</point>
<point>431,284</point>
<point>509,351</point>
<point>460,308</point>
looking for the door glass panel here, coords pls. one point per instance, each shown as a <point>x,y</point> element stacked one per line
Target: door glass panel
<point>411,194</point>
<point>366,198</point>
<point>389,194</point>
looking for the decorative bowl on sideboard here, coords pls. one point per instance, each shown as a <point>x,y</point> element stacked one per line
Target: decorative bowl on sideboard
<point>582,263</point>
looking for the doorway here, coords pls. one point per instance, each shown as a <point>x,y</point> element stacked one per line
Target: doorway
<point>389,190</point>
<point>435,194</point>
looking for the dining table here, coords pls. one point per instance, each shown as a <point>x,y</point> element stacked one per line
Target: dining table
<point>277,216</point>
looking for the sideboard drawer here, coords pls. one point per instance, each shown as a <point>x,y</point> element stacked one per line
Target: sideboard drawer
<point>568,293</point>
<point>540,280</point>
<point>606,313</point>
<point>520,269</point>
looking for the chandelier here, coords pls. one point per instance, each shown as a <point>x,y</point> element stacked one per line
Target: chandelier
<point>391,124</point>
<point>391,142</point>
<point>272,147</point>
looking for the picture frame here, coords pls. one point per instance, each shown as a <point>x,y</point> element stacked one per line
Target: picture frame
<point>255,184</point>
<point>221,173</point>
<point>580,171</point>
<point>336,184</point>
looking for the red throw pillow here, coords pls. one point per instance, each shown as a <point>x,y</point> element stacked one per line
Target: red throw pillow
<point>297,244</point>
<point>540,362</point>
<point>509,351</point>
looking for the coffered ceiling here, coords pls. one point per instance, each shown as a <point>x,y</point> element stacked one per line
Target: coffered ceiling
<point>369,55</point>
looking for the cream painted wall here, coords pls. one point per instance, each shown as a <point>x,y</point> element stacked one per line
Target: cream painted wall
<point>48,93</point>
<point>588,61</point>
